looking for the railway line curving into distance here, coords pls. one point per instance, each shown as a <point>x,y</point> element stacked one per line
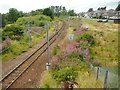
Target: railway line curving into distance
<point>16,72</point>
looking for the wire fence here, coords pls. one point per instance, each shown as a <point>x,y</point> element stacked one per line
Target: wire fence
<point>108,78</point>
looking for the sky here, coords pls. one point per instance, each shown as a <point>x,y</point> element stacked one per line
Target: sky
<point>77,5</point>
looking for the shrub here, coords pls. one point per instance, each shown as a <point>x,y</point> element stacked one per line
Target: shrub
<point>47,81</point>
<point>87,37</point>
<point>13,31</point>
<point>37,20</point>
<point>55,50</point>
<point>65,74</point>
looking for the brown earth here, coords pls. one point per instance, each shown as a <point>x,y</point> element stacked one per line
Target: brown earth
<point>31,78</point>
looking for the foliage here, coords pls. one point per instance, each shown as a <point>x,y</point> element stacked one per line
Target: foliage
<point>71,13</point>
<point>20,46</point>
<point>64,12</point>
<point>13,15</point>
<point>86,37</point>
<point>87,80</point>
<point>118,8</point>
<point>36,12</point>
<point>106,41</point>
<point>58,10</point>
<point>13,31</point>
<point>48,81</point>
<point>55,50</point>
<point>48,12</point>
<point>0,20</point>
<point>90,10</point>
<point>37,20</point>
<point>102,8</point>
<point>65,74</point>
<point>4,20</point>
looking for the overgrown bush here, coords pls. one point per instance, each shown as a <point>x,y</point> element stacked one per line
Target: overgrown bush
<point>86,37</point>
<point>14,31</point>
<point>55,50</point>
<point>65,74</point>
<point>37,20</point>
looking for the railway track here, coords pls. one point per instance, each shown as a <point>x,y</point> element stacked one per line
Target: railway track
<point>15,73</point>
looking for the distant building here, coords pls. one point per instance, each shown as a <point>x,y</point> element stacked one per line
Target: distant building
<point>101,13</point>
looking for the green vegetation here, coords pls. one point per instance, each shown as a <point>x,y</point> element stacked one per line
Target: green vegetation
<point>20,46</point>
<point>20,38</point>
<point>13,31</point>
<point>86,37</point>
<point>65,74</point>
<point>37,20</point>
<point>71,13</point>
<point>105,51</point>
<point>48,81</point>
<point>13,15</point>
<point>48,12</point>
<point>53,11</point>
<point>87,80</point>
<point>55,50</point>
<point>118,8</point>
<point>73,67</point>
<point>97,45</point>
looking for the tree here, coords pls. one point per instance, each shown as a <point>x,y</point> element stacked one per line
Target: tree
<point>36,12</point>
<point>118,8</point>
<point>71,13</point>
<point>4,19</point>
<point>90,10</point>
<point>48,12</point>
<point>57,10</point>
<point>13,15</point>
<point>64,11</point>
<point>98,8</point>
<point>21,13</point>
<point>102,8</point>
<point>0,20</point>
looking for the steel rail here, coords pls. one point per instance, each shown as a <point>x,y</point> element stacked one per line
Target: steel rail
<point>53,37</point>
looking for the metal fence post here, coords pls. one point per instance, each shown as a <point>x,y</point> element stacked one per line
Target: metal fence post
<point>97,73</point>
<point>106,78</point>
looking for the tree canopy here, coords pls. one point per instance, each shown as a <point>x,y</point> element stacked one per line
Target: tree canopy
<point>71,13</point>
<point>90,10</point>
<point>118,8</point>
<point>48,12</point>
<point>13,15</point>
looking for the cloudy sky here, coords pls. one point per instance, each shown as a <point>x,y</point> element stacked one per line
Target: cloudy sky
<point>77,5</point>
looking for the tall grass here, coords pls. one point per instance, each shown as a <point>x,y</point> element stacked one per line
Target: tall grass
<point>48,81</point>
<point>87,80</point>
<point>106,48</point>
